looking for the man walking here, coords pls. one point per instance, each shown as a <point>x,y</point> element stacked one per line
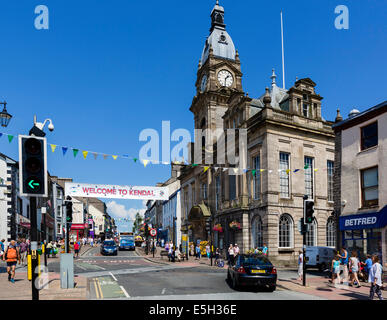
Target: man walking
<point>11,256</point>
<point>300,265</point>
<point>344,265</point>
<point>375,278</point>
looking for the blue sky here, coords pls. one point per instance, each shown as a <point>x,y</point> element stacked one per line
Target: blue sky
<point>106,70</point>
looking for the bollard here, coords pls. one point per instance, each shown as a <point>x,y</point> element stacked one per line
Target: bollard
<point>38,265</point>
<point>29,267</point>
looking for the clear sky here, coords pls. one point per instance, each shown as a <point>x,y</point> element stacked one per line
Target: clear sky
<point>105,70</point>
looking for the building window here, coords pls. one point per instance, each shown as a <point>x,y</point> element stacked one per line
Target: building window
<point>308,162</point>
<point>186,204</point>
<point>257,178</point>
<point>284,176</point>
<point>305,108</point>
<point>330,169</point>
<point>369,186</point>
<point>232,186</point>
<point>298,105</point>
<point>257,234</point>
<point>369,136</point>
<point>217,192</point>
<point>285,231</point>
<point>331,233</point>
<point>311,234</point>
<point>204,191</point>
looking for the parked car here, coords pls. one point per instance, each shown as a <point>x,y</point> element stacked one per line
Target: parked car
<point>254,270</point>
<point>109,247</point>
<point>319,257</point>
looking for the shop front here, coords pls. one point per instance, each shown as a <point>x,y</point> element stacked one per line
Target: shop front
<point>78,231</point>
<point>23,226</point>
<point>365,233</point>
<point>197,218</point>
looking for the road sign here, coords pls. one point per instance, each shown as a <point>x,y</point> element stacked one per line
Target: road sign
<point>153,232</point>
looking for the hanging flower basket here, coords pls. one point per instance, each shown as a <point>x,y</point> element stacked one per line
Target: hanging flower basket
<point>218,227</point>
<point>235,225</point>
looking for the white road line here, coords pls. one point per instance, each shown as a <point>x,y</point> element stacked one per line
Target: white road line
<point>113,276</point>
<point>162,292</point>
<point>79,266</point>
<point>124,291</point>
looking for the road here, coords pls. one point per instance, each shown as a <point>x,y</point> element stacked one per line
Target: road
<point>130,276</point>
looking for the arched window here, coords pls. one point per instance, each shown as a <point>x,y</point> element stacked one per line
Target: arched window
<point>285,229</point>
<point>331,232</point>
<point>256,232</point>
<point>311,235</point>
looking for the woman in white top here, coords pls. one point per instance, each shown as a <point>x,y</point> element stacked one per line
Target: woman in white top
<point>231,255</point>
<point>375,278</point>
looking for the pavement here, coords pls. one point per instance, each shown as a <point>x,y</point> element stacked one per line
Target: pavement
<point>22,288</point>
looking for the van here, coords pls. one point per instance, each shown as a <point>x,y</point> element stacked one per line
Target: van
<point>319,257</point>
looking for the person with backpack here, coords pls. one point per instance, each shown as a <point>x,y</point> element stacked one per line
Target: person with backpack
<point>11,256</point>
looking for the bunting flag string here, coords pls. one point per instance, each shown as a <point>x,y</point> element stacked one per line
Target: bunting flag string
<point>145,162</point>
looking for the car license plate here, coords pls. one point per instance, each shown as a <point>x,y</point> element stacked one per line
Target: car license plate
<point>258,271</point>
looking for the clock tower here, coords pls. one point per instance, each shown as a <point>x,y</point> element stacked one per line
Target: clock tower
<point>219,77</point>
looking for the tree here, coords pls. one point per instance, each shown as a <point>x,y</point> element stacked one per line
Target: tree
<point>137,222</point>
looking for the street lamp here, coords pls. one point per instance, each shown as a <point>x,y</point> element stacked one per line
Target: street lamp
<point>5,117</point>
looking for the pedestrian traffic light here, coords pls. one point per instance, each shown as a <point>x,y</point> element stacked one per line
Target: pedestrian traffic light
<point>309,210</point>
<point>69,209</point>
<point>33,166</point>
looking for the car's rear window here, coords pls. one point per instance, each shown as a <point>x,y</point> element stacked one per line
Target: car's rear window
<point>109,243</point>
<point>254,260</point>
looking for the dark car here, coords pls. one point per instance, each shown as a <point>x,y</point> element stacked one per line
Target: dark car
<point>109,247</point>
<point>127,244</point>
<point>252,270</point>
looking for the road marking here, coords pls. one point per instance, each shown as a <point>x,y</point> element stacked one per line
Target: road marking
<point>124,291</point>
<point>99,287</point>
<point>162,292</point>
<point>96,289</point>
<point>79,266</point>
<point>113,276</point>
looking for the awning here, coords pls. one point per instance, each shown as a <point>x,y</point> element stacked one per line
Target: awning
<point>369,220</point>
<point>199,212</point>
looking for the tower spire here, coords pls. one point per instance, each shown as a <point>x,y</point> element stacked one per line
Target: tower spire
<point>273,78</point>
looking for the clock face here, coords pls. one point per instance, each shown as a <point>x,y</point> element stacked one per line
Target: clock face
<point>225,78</point>
<point>203,84</point>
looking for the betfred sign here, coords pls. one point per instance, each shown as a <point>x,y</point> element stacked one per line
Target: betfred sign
<point>115,192</point>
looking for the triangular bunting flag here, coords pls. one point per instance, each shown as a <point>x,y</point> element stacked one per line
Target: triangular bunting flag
<point>245,170</point>
<point>105,156</point>
<point>10,137</point>
<point>288,171</point>
<point>75,152</point>
<point>135,159</point>
<point>64,150</point>
<point>1,135</point>
<point>315,169</point>
<point>224,169</point>
<point>306,166</point>
<point>236,170</point>
<point>145,162</point>
<point>114,157</point>
<point>279,170</point>
<point>296,170</point>
<point>95,155</point>
<point>253,172</point>
<point>53,147</point>
<point>206,168</point>
<point>270,171</point>
<point>194,165</point>
<point>85,153</point>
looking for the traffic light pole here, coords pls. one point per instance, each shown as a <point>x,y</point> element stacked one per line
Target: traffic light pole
<point>34,247</point>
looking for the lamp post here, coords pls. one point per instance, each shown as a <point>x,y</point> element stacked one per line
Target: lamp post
<point>5,117</point>
<point>212,247</point>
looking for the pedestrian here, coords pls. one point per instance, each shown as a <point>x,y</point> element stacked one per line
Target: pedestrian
<point>76,248</point>
<point>264,249</point>
<point>192,250</point>
<point>344,264</point>
<point>217,255</point>
<point>231,255</point>
<point>368,264</point>
<point>170,252</point>
<point>2,243</point>
<point>208,251</point>
<point>23,251</point>
<point>198,253</point>
<point>335,270</point>
<point>375,278</point>
<point>236,251</point>
<point>300,265</point>
<point>11,256</point>
<point>354,267</point>
<point>48,249</point>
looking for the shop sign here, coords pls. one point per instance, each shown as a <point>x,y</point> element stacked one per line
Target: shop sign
<point>364,221</point>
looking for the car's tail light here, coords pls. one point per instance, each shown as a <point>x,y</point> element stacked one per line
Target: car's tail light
<point>241,270</point>
<point>273,271</point>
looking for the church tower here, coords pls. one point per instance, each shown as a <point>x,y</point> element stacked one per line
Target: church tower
<point>219,76</point>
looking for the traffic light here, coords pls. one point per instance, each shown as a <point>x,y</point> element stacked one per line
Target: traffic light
<point>146,229</point>
<point>69,209</point>
<point>309,210</point>
<point>33,166</point>
<point>208,225</point>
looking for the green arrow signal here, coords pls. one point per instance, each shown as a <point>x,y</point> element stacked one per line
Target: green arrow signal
<point>32,184</point>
